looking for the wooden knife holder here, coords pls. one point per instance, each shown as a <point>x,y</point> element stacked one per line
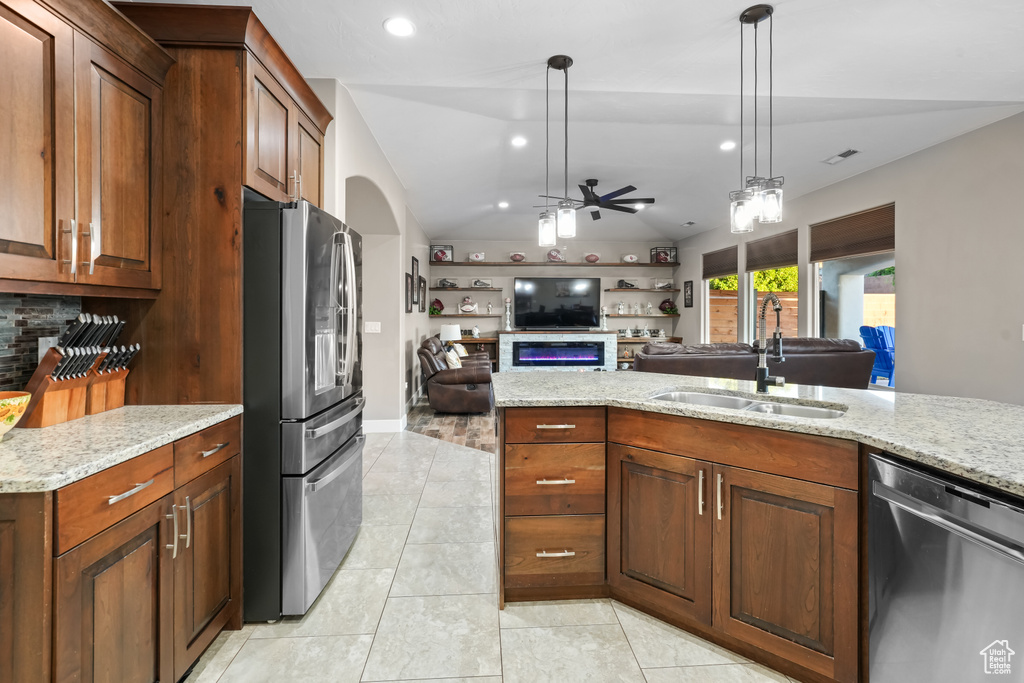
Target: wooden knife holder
<point>54,402</point>
<point>106,391</point>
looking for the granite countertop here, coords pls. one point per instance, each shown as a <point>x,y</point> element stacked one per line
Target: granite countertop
<point>46,459</point>
<point>976,439</point>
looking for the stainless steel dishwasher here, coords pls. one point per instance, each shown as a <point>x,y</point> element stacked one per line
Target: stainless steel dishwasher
<point>946,579</point>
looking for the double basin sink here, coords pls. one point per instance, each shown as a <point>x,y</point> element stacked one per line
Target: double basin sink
<point>748,405</point>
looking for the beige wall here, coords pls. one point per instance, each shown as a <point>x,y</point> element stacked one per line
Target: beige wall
<point>959,236</point>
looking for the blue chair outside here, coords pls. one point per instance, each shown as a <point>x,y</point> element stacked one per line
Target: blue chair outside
<point>885,358</point>
<point>889,335</point>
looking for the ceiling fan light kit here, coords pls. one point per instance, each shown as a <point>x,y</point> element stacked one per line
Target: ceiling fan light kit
<point>761,197</point>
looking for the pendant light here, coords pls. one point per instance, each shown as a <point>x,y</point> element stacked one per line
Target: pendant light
<point>761,197</point>
<point>566,221</point>
<point>546,222</point>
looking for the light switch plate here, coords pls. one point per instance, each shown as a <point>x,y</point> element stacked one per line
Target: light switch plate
<point>371,328</point>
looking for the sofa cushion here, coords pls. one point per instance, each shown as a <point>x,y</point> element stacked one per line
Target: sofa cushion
<point>813,345</point>
<point>662,348</point>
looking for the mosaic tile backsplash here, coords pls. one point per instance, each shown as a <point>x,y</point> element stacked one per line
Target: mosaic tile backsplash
<point>23,320</point>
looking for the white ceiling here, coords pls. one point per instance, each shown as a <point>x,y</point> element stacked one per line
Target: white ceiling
<point>652,94</point>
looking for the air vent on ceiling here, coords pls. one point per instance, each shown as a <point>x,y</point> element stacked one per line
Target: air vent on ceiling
<point>688,224</point>
<point>842,156</point>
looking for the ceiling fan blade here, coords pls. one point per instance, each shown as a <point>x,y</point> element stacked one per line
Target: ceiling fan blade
<point>596,215</point>
<point>588,194</point>
<point>643,200</point>
<point>615,207</point>
<point>620,191</point>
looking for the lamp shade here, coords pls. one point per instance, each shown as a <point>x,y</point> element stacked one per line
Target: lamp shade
<point>566,219</point>
<point>546,229</point>
<point>741,214</point>
<point>450,333</point>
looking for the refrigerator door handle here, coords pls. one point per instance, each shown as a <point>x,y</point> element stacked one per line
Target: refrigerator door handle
<point>342,463</point>
<point>351,309</point>
<point>340,422</point>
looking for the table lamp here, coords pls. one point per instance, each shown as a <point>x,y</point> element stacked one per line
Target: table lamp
<point>449,334</point>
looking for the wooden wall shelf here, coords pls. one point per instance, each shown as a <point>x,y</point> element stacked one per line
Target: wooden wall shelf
<point>471,289</point>
<point>466,315</point>
<point>643,315</point>
<point>554,263</point>
<point>632,289</point>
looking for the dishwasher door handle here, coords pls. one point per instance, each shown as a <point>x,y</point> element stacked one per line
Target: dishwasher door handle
<point>970,531</point>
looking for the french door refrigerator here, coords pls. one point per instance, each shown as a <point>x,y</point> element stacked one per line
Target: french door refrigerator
<point>302,390</point>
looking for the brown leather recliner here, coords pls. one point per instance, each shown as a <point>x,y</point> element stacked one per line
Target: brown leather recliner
<point>456,390</point>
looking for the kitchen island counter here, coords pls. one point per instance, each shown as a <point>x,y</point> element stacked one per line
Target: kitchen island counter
<point>979,440</point>
<point>33,460</point>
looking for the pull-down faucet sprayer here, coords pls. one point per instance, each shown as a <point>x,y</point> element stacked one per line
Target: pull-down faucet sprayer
<point>762,376</point>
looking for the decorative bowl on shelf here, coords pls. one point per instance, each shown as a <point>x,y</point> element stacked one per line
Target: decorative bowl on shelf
<point>592,258</point>
<point>517,256</point>
<point>12,407</point>
<point>630,258</point>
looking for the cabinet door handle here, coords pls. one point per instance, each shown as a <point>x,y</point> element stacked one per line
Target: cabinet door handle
<point>298,192</point>
<point>74,246</point>
<point>700,492</point>
<point>94,233</point>
<point>174,546</point>
<point>555,482</point>
<point>218,447</point>
<point>719,496</point>
<point>294,177</point>
<point>127,494</point>
<point>188,523</point>
<point>564,553</point>
<point>556,426</point>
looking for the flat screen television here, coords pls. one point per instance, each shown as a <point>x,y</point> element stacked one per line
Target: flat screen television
<point>564,303</point>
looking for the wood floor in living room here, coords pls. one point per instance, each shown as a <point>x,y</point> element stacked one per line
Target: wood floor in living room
<point>474,431</point>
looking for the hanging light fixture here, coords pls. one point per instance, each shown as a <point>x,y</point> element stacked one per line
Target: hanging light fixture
<point>761,197</point>
<point>566,221</point>
<point>546,223</point>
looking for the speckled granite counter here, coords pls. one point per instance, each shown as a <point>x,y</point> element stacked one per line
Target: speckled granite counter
<point>975,439</point>
<point>46,459</point>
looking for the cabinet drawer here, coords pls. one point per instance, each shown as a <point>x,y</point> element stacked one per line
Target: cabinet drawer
<point>564,550</point>
<point>89,506</point>
<point>204,450</point>
<point>552,479</point>
<point>554,425</point>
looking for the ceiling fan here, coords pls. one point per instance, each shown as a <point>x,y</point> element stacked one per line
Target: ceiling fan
<point>609,201</point>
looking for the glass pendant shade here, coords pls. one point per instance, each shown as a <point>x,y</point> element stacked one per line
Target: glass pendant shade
<point>566,219</point>
<point>546,230</point>
<point>741,211</point>
<point>771,202</point>
<point>755,187</point>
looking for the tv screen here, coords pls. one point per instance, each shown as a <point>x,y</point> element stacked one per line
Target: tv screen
<point>557,302</point>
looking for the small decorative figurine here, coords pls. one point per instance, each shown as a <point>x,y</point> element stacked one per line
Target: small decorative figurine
<point>476,332</point>
<point>636,309</point>
<point>489,307</point>
<point>647,332</point>
<point>621,308</point>
<point>629,332</point>
<point>650,308</point>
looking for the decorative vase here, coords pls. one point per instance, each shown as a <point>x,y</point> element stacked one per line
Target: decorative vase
<point>508,314</point>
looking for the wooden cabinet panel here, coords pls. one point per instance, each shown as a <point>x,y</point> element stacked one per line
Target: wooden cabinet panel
<point>37,143</point>
<point>204,450</point>
<point>207,571</point>
<point>119,157</point>
<point>554,425</point>
<point>311,160</point>
<point>270,119</point>
<point>785,569</point>
<point>550,479</point>
<point>112,603</point>
<point>660,530</point>
<point>90,505</point>
<point>565,550</point>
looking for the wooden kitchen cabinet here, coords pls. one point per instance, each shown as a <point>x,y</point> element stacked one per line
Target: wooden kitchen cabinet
<point>80,131</point>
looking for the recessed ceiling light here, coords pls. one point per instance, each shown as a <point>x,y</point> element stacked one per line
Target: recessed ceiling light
<point>727,145</point>
<point>518,141</point>
<point>399,26</point>
<point>502,205</point>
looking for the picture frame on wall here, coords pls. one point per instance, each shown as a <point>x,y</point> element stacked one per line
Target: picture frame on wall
<point>688,294</point>
<point>423,294</point>
<point>415,280</point>
<point>408,292</point>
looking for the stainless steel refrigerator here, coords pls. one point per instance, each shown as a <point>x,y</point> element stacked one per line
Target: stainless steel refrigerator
<point>302,389</point>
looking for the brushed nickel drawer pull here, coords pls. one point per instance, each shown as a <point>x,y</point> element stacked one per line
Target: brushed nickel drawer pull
<point>219,447</point>
<point>719,496</point>
<point>126,494</point>
<point>174,546</point>
<point>564,553</point>
<point>556,426</point>
<point>555,482</point>
<point>188,523</point>
<point>700,493</point>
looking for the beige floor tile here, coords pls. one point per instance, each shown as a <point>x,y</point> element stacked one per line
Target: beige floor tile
<point>321,659</point>
<point>474,679</point>
<point>436,637</point>
<point>218,656</point>
<point>567,654</point>
<point>452,525</point>
<point>557,613</point>
<point>657,644</point>
<point>351,604</point>
<point>403,461</point>
<point>376,547</point>
<point>368,460</point>
<point>459,469</point>
<point>394,483</point>
<point>722,673</point>
<point>387,509</point>
<point>451,494</point>
<point>446,569</point>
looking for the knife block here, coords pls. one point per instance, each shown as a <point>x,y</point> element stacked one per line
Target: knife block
<point>105,391</point>
<point>54,402</point>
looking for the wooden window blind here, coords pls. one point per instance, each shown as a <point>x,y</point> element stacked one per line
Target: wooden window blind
<point>721,263</point>
<point>859,234</point>
<point>777,251</point>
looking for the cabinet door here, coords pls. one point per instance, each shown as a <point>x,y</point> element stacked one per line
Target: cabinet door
<point>270,120</point>
<point>785,575</point>
<point>118,158</point>
<point>659,530</point>
<point>207,571</point>
<point>112,603</point>
<point>309,147</point>
<point>37,144</point>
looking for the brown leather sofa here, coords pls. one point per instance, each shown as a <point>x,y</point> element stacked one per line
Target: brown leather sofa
<point>813,361</point>
<point>456,390</point>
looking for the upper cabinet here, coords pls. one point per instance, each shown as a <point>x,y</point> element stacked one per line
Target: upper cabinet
<point>80,141</point>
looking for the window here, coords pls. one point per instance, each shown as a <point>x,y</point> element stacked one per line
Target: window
<point>771,265</point>
<point>720,295</point>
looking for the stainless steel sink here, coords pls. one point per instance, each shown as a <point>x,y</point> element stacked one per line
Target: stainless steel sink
<point>793,410</point>
<point>696,398</point>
